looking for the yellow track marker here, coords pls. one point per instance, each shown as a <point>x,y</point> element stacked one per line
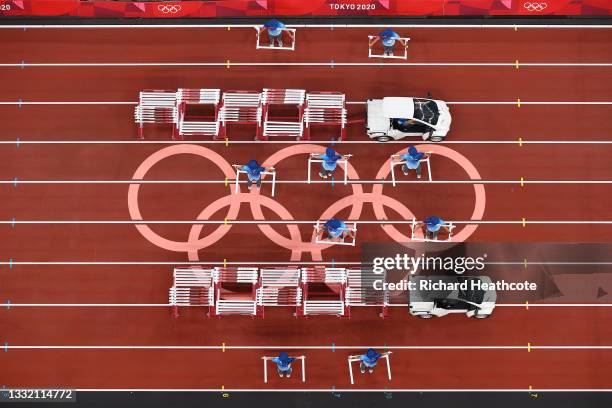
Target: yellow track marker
<point>227,64</point>
<point>225,262</point>
<point>226,182</point>
<point>226,142</point>
<point>516,64</point>
<point>229,28</point>
<point>225,221</point>
<point>526,305</point>
<point>525,263</point>
<point>529,347</point>
<point>532,394</point>
<point>524,222</point>
<point>223,347</point>
<point>225,394</point>
<point>522,182</point>
<point>520,142</point>
<point>515,28</point>
<point>518,102</point>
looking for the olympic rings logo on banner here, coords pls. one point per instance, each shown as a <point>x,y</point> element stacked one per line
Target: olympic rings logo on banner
<point>169,8</point>
<point>257,202</point>
<point>539,6</point>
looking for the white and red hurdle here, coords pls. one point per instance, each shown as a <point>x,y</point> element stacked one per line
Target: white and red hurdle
<point>240,108</point>
<point>275,125</point>
<point>325,108</point>
<point>330,303</point>
<point>156,106</point>
<point>198,125</point>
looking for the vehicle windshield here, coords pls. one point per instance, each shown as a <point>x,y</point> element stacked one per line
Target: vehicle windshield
<point>426,110</point>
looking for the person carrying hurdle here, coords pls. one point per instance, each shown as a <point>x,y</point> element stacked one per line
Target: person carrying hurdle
<point>335,229</point>
<point>432,225</point>
<point>283,364</point>
<point>330,162</point>
<point>253,171</point>
<point>412,161</point>
<point>369,360</point>
<point>275,31</point>
<point>388,38</point>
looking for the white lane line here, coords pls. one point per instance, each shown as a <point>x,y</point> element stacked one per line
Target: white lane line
<point>292,142</point>
<point>16,182</point>
<point>355,390</point>
<point>144,305</point>
<point>515,103</point>
<point>290,347</point>
<point>310,25</point>
<point>249,263</point>
<point>290,222</point>
<point>334,64</point>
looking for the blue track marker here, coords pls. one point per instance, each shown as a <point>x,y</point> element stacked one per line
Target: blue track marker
<point>18,142</point>
<point>13,223</point>
<point>333,347</point>
<point>332,181</point>
<point>334,393</point>
<point>15,182</point>
<point>8,305</point>
<point>332,63</point>
<point>20,102</point>
<point>6,346</point>
<point>11,263</point>
<point>333,262</point>
<point>22,64</point>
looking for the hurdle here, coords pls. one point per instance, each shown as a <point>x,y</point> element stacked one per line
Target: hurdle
<point>240,107</point>
<point>156,106</point>
<point>402,40</point>
<point>282,126</point>
<point>314,158</point>
<point>415,225</point>
<point>396,161</point>
<point>318,227</point>
<point>265,367</point>
<point>360,291</point>
<point>270,171</point>
<point>325,108</point>
<point>240,275</point>
<point>353,359</point>
<point>279,287</point>
<point>290,32</point>
<point>192,287</point>
<point>331,277</point>
<point>203,98</point>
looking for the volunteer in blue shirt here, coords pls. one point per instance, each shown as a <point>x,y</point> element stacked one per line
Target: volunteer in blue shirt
<point>275,31</point>
<point>283,364</point>
<point>330,162</point>
<point>253,171</point>
<point>432,226</point>
<point>335,228</point>
<point>412,161</point>
<point>388,38</point>
<point>369,360</point>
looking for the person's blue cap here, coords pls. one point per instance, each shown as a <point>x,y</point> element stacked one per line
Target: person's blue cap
<point>253,165</point>
<point>333,224</point>
<point>433,220</point>
<point>274,23</point>
<point>372,354</point>
<point>414,153</point>
<point>388,33</point>
<point>330,152</point>
<point>285,359</point>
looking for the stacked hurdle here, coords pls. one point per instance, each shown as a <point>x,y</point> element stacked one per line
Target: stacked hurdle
<point>247,276</point>
<point>242,108</point>
<point>201,97</point>
<point>333,277</point>
<point>360,291</point>
<point>192,287</point>
<point>279,287</point>
<point>282,127</point>
<point>156,106</point>
<point>325,108</point>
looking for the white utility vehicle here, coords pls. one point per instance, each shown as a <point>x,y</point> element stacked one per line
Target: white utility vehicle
<point>426,303</point>
<point>393,118</point>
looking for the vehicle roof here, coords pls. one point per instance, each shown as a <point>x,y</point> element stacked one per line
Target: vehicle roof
<point>398,107</point>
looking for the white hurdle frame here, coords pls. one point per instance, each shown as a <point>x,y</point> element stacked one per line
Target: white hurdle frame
<point>415,224</point>
<point>404,56</point>
<point>352,359</point>
<point>353,229</point>
<point>271,173</point>
<point>258,45</point>
<point>395,162</point>
<point>314,158</point>
<point>265,365</point>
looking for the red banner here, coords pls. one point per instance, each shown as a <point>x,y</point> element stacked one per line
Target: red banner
<point>265,8</point>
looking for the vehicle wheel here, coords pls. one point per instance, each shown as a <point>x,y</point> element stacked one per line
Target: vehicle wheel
<point>436,139</point>
<point>425,316</point>
<point>481,316</point>
<point>383,139</point>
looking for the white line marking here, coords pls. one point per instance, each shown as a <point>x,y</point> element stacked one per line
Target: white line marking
<point>353,181</point>
<point>351,390</point>
<point>288,222</point>
<point>287,347</point>
<point>517,305</point>
<point>248,263</point>
<point>300,64</point>
<point>335,26</point>
<point>292,142</point>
